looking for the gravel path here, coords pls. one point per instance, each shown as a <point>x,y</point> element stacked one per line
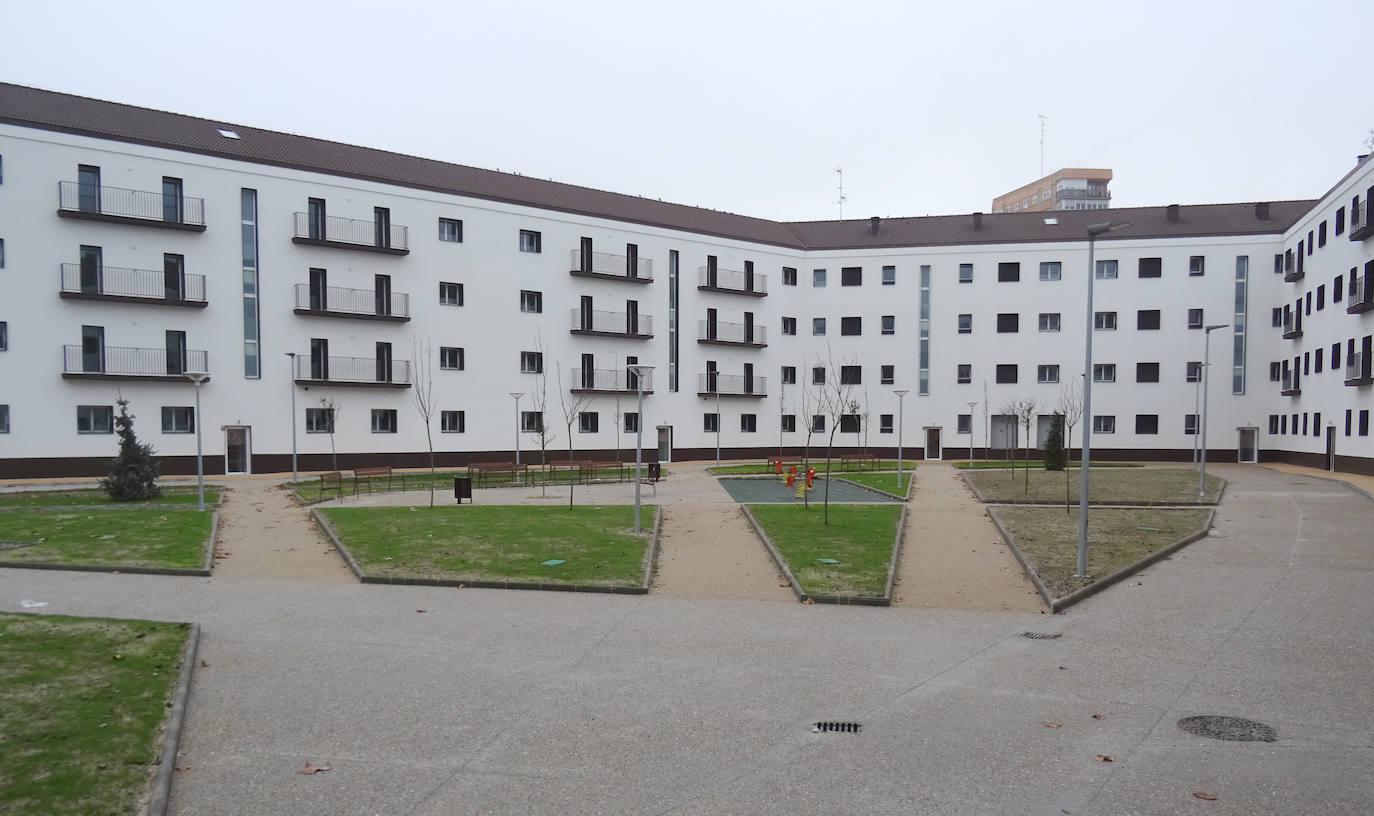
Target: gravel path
<point>264,533</point>
<point>709,551</point>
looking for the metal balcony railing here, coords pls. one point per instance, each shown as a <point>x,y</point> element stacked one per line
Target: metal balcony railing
<point>1361,224</point>
<point>353,370</point>
<point>1361,295</point>
<point>732,280</point>
<point>1082,192</point>
<point>1292,326</point>
<point>1357,369</point>
<point>743,334</point>
<point>118,361</point>
<point>609,380</point>
<point>612,323</point>
<point>360,302</point>
<point>606,265</point>
<point>143,284</point>
<point>731,385</point>
<point>1291,386</point>
<point>351,232</point>
<point>91,201</point>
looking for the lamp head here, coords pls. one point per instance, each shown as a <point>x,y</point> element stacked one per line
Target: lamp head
<point>196,377</point>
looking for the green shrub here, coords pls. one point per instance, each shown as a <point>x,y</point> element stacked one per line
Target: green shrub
<point>135,471</point>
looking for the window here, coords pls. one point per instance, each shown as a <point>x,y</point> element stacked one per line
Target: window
<point>1104,321</point>
<point>1147,319</point>
<point>384,420</point>
<point>1104,424</point>
<point>818,326</point>
<point>1274,424</point>
<point>889,324</point>
<point>1147,372</point>
<point>818,278</point>
<point>818,423</point>
<point>1049,321</point>
<point>530,241</point>
<point>789,375</point>
<point>531,362</point>
<point>451,230</point>
<point>1336,355</point>
<point>963,373</point>
<point>1051,270</point>
<point>964,424</point>
<point>531,301</point>
<point>1008,272</point>
<point>885,423</point>
<point>5,419</point>
<point>1008,323</point>
<point>1321,297</point>
<point>1275,372</point>
<point>631,421</point>
<point>851,375</point>
<point>453,421</point>
<point>1047,374</point>
<point>4,335</point>
<point>1194,318</point>
<point>966,273</point>
<point>1006,373</point>
<point>178,419</point>
<point>450,294</point>
<point>1276,317</point>
<point>1321,234</point>
<point>887,376</point>
<point>889,275</point>
<point>1195,371</point>
<point>789,423</point>
<point>451,358</point>
<point>710,423</point>
<point>319,420</point>
<point>851,326</point>
<point>588,422</point>
<point>748,423</point>
<point>1104,372</point>
<point>1337,288</point>
<point>1364,423</point>
<point>789,325</point>
<point>1106,270</point>
<point>1196,265</point>
<point>965,323</point>
<point>852,276</point>
<point>849,423</point>
<point>789,276</point>
<point>1147,423</point>
<point>1317,360</point>
<point>2,253</point>
<point>531,421</point>
<point>818,375</point>
<point>1151,267</point>
<point>94,419</point>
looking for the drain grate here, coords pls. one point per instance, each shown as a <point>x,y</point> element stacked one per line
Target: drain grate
<point>836,727</point>
<point>1233,729</point>
<point>1042,635</point>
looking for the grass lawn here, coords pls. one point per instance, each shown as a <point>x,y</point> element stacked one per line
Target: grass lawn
<point>859,537</point>
<point>143,537</point>
<point>496,543</point>
<point>816,462</point>
<point>96,496</point>
<point>882,481</point>
<point>1158,485</point>
<point>1049,539</point>
<point>82,704</point>
<point>987,464</point>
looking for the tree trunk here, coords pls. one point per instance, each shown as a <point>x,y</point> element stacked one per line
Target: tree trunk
<point>429,437</point>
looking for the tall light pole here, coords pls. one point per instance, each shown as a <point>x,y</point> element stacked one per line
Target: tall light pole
<point>517,395</point>
<point>1197,401</point>
<point>294,476</point>
<point>901,417</point>
<point>718,418</point>
<point>198,377</point>
<point>641,371</point>
<point>971,405</point>
<point>1206,368</point>
<point>1093,230</point>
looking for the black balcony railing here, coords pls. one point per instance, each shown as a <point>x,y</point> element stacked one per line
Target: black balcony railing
<point>1361,225</point>
<point>145,285</point>
<point>732,280</point>
<point>731,385</point>
<point>606,265</point>
<point>609,380</point>
<point>1094,192</point>
<point>91,360</point>
<point>350,233</point>
<point>1291,386</point>
<point>335,301</point>
<point>1292,326</point>
<point>1361,295</point>
<point>736,334</point>
<point>77,200</point>
<point>366,371</point>
<point>1358,369</point>
<point>611,324</point>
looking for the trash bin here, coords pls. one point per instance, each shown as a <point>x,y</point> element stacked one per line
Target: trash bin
<point>655,471</point>
<point>462,488</point>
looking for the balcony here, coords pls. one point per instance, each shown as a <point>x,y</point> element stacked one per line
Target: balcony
<point>355,372</point>
<point>101,362</point>
<point>358,304</point>
<point>1357,369</point>
<point>1094,192</point>
<point>612,324</point>
<point>732,282</point>
<point>731,385</point>
<point>1362,299</point>
<point>717,333</point>
<point>1294,273</point>
<point>1361,225</point>
<point>612,267</point>
<point>1290,385</point>
<point>132,285</point>
<point>1292,326</point>
<point>350,233</point>
<point>137,207</point>
<point>608,381</point>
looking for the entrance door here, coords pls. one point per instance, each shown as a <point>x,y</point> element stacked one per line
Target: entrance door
<point>1246,452</point>
<point>665,443</point>
<point>932,443</point>
<point>173,276</point>
<point>88,188</point>
<point>91,269</point>
<point>176,352</point>
<point>382,294</point>
<point>238,449</point>
<point>319,290</point>
<point>93,349</point>
<point>1330,447</point>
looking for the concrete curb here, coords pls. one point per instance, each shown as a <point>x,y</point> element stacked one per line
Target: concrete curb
<point>171,738</point>
<point>200,572</point>
<point>651,554</point>
<point>1126,503</point>
<point>847,600</point>
<point>1060,604</point>
<point>642,589</point>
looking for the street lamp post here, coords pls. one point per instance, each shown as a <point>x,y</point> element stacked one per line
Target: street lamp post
<point>971,405</point>
<point>1206,368</point>
<point>1093,230</point>
<point>295,477</point>
<point>517,395</point>
<point>641,371</point>
<point>198,377</point>
<point>718,428</point>
<point>901,417</point>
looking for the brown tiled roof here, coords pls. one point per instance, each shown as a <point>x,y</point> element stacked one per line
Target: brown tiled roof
<point>49,110</point>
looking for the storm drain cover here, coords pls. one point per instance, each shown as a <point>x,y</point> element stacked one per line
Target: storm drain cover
<point>1041,635</point>
<point>836,727</point>
<point>1233,729</point>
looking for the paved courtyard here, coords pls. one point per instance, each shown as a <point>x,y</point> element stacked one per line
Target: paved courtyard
<point>442,701</point>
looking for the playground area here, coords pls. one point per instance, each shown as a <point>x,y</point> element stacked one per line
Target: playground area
<point>765,490</point>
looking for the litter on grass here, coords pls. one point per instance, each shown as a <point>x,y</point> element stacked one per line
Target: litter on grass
<point>828,560</point>
<point>552,562</point>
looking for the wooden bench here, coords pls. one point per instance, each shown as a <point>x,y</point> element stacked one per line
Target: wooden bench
<point>858,461</point>
<point>368,474</point>
<point>331,481</point>
<point>479,471</point>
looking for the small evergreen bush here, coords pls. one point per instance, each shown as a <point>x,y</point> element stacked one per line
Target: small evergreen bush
<point>1056,458</point>
<point>135,471</point>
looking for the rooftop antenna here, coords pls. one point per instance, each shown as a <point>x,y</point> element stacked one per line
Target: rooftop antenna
<point>839,171</point>
<point>1042,119</point>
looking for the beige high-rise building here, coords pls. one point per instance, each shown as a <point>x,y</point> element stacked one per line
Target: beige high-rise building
<point>1072,188</point>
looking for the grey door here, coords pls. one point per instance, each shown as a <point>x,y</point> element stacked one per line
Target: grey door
<point>665,443</point>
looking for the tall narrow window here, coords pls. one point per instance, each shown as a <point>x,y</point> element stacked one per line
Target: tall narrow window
<point>1238,325</point>
<point>923,333</point>
<point>171,199</point>
<point>381,227</point>
<point>88,188</point>
<point>672,319</point>
<point>316,216</point>
<point>248,218</point>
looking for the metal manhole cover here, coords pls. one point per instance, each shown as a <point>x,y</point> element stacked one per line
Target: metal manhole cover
<point>1042,635</point>
<point>1233,729</point>
<point>836,727</point>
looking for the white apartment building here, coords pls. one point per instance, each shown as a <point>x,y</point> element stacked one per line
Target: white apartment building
<point>138,245</point>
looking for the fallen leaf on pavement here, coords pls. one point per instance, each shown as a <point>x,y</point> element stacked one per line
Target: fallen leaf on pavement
<point>1206,796</point>
<point>1105,758</point>
<point>313,769</point>
<point>1098,717</point>
<point>1053,725</point>
<point>204,664</point>
<point>421,610</point>
<point>811,600</point>
<point>185,768</point>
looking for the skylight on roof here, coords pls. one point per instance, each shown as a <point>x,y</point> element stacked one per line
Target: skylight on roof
<point>1051,221</point>
<point>228,134</point>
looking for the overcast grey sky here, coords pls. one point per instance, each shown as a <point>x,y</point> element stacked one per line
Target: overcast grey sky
<point>749,106</point>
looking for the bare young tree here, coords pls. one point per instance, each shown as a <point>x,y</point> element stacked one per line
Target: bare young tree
<point>539,426</point>
<point>1009,407</point>
<point>422,396</point>
<point>835,400</point>
<point>1025,411</point>
<point>572,405</point>
<point>782,411</point>
<point>1070,405</point>
<point>863,425</point>
<point>618,458</point>
<point>331,409</point>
